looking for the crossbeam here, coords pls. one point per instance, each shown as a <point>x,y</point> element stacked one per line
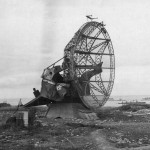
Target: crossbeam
<point>92,53</point>
<point>95,38</point>
<point>96,81</point>
<point>90,67</point>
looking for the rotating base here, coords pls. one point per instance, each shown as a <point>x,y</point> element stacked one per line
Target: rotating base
<point>70,111</point>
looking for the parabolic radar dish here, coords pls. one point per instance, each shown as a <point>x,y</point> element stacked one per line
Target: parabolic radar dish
<point>91,45</point>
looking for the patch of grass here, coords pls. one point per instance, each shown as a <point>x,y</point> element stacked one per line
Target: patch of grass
<point>129,135</point>
<point>90,125</point>
<point>133,107</point>
<point>113,115</point>
<point>118,114</point>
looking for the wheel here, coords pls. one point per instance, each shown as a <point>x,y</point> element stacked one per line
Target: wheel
<point>90,46</point>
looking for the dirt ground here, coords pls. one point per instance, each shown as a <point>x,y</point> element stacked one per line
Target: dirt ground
<point>47,134</point>
<point>115,129</point>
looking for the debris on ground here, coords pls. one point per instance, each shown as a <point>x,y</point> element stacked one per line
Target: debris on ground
<point>115,128</point>
<point>55,134</point>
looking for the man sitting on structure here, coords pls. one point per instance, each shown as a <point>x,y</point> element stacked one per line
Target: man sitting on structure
<point>36,92</point>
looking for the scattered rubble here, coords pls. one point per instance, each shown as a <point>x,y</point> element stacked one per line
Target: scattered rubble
<point>117,127</point>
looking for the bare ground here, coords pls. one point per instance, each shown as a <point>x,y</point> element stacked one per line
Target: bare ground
<point>55,134</point>
<point>113,131</point>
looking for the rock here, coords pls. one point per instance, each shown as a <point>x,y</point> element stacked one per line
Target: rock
<point>44,124</point>
<point>140,143</point>
<point>51,148</point>
<point>36,145</point>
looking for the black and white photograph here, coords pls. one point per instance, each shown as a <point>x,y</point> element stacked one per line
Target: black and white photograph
<point>74,75</point>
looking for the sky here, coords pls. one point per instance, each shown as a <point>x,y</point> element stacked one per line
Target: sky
<point>34,33</point>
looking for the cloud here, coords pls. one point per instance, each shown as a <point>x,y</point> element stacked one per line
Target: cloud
<point>34,34</point>
<point>20,80</point>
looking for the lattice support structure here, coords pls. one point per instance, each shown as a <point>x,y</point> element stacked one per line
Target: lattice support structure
<point>90,46</point>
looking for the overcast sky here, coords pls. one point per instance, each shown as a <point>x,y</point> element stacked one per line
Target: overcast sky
<point>33,34</point>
